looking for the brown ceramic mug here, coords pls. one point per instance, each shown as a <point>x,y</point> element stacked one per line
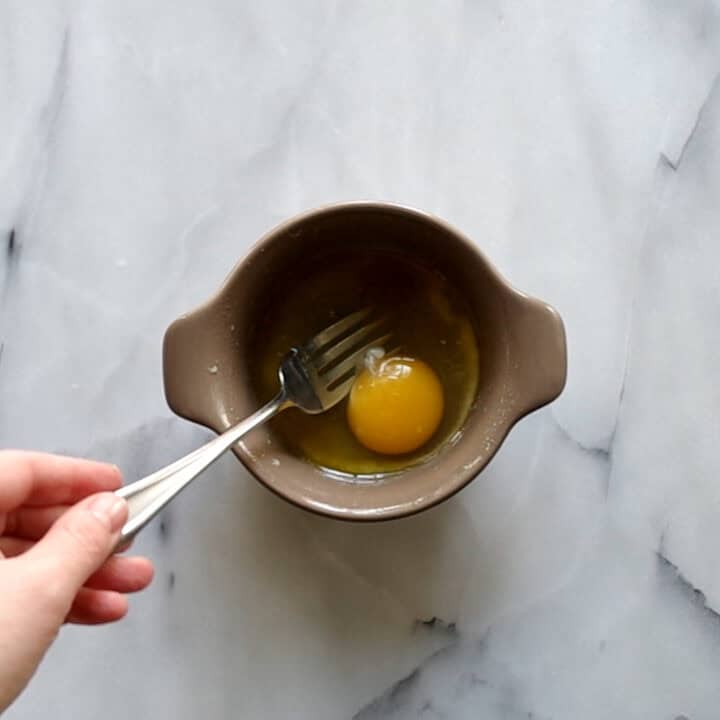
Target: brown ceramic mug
<point>523,345</point>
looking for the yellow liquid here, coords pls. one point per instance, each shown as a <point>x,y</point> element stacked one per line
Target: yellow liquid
<point>427,319</point>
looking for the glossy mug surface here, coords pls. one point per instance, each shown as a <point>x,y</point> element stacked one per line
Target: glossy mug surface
<point>522,340</point>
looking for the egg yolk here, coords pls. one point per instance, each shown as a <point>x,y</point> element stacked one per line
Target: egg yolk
<point>395,405</point>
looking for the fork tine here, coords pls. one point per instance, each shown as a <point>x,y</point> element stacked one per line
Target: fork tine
<point>349,365</point>
<point>337,351</point>
<point>330,334</point>
<point>341,390</point>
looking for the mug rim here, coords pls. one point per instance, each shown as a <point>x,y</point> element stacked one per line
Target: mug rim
<point>461,476</point>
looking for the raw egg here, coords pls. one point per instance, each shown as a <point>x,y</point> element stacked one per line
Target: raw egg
<point>428,319</point>
<point>395,405</point>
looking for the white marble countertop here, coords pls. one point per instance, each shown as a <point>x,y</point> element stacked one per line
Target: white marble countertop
<point>144,146</point>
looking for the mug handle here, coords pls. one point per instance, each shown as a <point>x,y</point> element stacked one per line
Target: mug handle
<point>539,350</point>
<point>188,359</point>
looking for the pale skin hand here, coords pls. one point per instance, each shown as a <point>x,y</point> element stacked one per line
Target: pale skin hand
<point>55,542</point>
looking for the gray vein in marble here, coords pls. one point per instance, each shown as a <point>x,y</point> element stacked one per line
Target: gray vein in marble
<point>399,695</point>
<point>485,689</point>
<point>604,452</point>
<point>437,623</point>
<point>601,453</point>
<point>43,134</point>
<point>164,526</point>
<point>674,162</point>
<point>695,596</point>
<point>51,112</point>
<point>12,256</point>
<point>391,700</point>
<point>30,161</point>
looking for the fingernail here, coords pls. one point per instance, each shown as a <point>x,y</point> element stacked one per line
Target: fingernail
<point>110,509</point>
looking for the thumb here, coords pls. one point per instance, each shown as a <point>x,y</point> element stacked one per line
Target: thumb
<point>79,542</point>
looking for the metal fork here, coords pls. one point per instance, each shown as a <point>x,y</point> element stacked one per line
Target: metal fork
<point>313,377</point>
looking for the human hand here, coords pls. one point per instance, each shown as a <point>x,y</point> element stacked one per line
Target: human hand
<point>55,544</point>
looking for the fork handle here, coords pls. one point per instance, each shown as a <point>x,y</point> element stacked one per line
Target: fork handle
<point>148,496</point>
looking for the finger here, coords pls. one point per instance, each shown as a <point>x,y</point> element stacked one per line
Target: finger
<point>32,523</point>
<point>76,546</point>
<point>94,607</point>
<point>122,574</point>
<point>30,478</point>
<point>12,547</point>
